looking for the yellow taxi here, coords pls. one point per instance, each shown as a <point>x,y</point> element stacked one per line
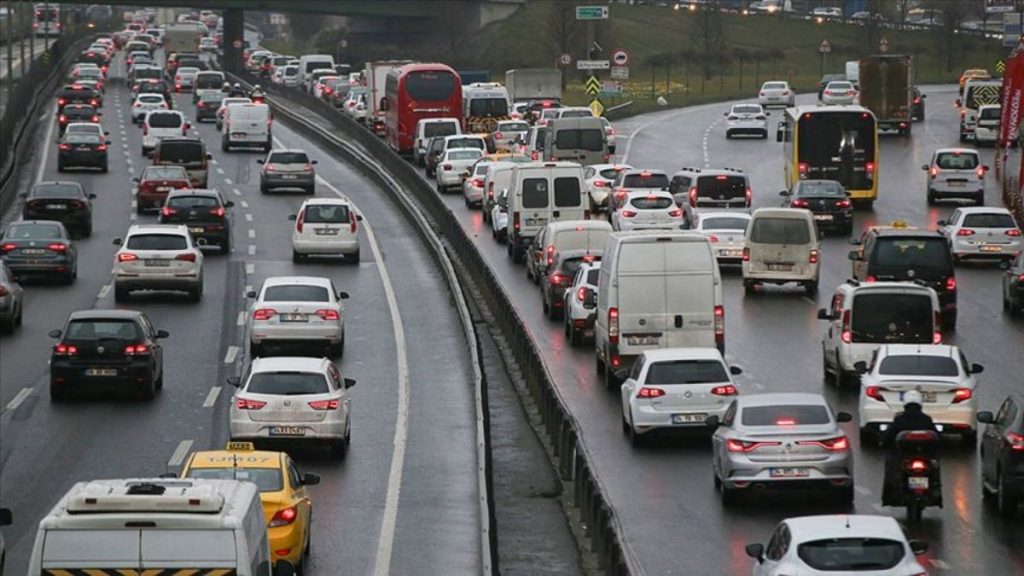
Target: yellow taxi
<point>287,508</point>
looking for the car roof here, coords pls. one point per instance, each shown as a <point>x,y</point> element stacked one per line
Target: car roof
<point>342,201</point>
<point>957,150</point>
<point>828,526</point>
<point>702,215</point>
<point>158,228</point>
<point>98,313</point>
<point>693,353</point>
<point>777,398</point>
<point>242,459</point>
<point>296,281</point>
<point>941,350</point>
<point>619,166</point>
<point>631,171</point>
<point>896,231</point>
<point>795,213</point>
<point>290,363</point>
<point>882,286</point>
<point>985,210</point>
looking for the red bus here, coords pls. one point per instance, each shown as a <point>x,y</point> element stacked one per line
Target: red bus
<point>414,92</point>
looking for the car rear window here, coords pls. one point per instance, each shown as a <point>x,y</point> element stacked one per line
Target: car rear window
<point>576,114</point>
<point>785,415</point>
<point>513,126</point>
<point>651,202</point>
<point>826,189</point>
<point>610,173</point>
<point>477,143</point>
<point>590,139</point>
<point>956,161</point>
<point>747,110</point>
<point>287,383</point>
<point>432,129</point>
<point>569,266</point>
<point>775,86</point>
<point>289,158</point>
<point>32,232</point>
<point>81,138</point>
<point>296,293</point>
<point>722,187</point>
<point>881,318</point>
<point>769,230</point>
<point>592,275</point>
<point>151,98</point>
<point>186,202</point>
<point>157,242</point>
<point>659,181</point>
<point>56,191</point>
<point>567,192</point>
<point>165,173</point>
<point>266,479</point>
<point>79,113</point>
<point>919,365</point>
<point>910,253</point>
<point>535,193</point>
<point>326,214</point>
<point>103,329</point>
<point>989,221</point>
<point>158,120</point>
<point>184,153</point>
<point>686,372</point>
<point>724,223</point>
<point>851,554</point>
<point>464,154</point>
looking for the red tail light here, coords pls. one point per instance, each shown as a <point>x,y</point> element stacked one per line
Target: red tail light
<point>1016,441</point>
<point>57,247</point>
<point>874,392</point>
<point>581,294</point>
<point>847,334</point>
<point>844,204</point>
<point>720,325</point>
<point>300,221</point>
<point>798,203</point>
<point>749,194</point>
<point>352,223</point>
<point>727,390</point>
<point>476,183</point>
<point>245,404</point>
<point>515,220</point>
<point>647,392</point>
<point>284,516</point>
<point>870,279</point>
<point>126,257</point>
<point>64,146</point>
<point>965,232</point>
<point>557,279</point>
<point>916,465</point>
<point>869,167</point>
<point>219,212</point>
<point>307,168</point>
<point>981,171</point>
<point>102,148</point>
<point>95,118</point>
<point>733,445</point>
<point>63,119</point>
<point>550,251</point>
<point>324,404</point>
<point>168,211</point>
<point>65,349</point>
<point>803,168</point>
<point>837,444</point>
<point>962,395</point>
<point>263,314</point>
<point>3,291</point>
<point>498,136</point>
<point>136,350</point>
<point>1013,232</point>
<point>201,105</point>
<point>746,254</point>
<point>600,184</point>
<point>613,325</point>
<point>61,101</point>
<point>951,284</point>
<point>327,314</point>
<point>677,213</point>
<point>628,213</point>
<point>446,167</point>
<point>812,257</point>
<point>937,334</point>
<point>94,102</point>
<point>188,257</point>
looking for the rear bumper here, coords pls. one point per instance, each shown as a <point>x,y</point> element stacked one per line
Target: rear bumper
<point>647,419</point>
<point>302,180</point>
<point>129,375</point>
<point>276,334</point>
<point>134,282</point>
<point>333,247</point>
<point>242,429</point>
<point>21,268</point>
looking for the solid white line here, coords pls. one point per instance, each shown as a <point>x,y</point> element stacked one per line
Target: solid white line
<point>47,142</point>
<point>382,566</point>
<point>211,398</point>
<point>241,318</point>
<point>641,128</point>
<point>104,290</point>
<point>18,399</point>
<point>179,453</point>
<point>231,354</point>
<point>248,217</point>
<point>250,268</point>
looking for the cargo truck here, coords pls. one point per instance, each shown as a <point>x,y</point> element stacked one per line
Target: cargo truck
<point>886,88</point>
<point>529,84</point>
<point>181,39</point>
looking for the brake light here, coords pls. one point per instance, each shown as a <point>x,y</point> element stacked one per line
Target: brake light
<point>284,516</point>
<point>613,325</point>
<point>163,105</point>
<point>844,204</point>
<point>828,92</point>
<point>126,257</point>
<point>446,167</point>
<point>65,349</point>
<point>218,212</point>
<point>270,168</point>
<point>246,404</point>
<point>962,395</point>
<point>307,168</point>
<point>646,392</point>
<point>870,279</point>
<point>581,294</point>
<point>847,334</point>
<point>628,213</point>
<point>95,118</point>
<point>869,167</point>
<point>798,203</point>
<point>556,279</point>
<point>965,232</point>
<point>837,444</point>
<point>201,105</point>
<point>951,284</point>
<point>749,195</point>
<point>874,392</point>
<point>168,211</point>
<point>1013,232</point>
<point>1016,441</point>
<point>515,220</point>
<point>726,390</point>
<point>64,146</point>
<point>981,171</point>
<point>57,247</point>
<point>812,257</point>
<point>325,404</point>
<point>327,314</point>
<point>676,213</point>
<point>102,148</point>
<point>136,350</point>
<point>803,168</point>
<point>263,314</point>
<point>476,183</point>
<point>498,136</point>
<point>916,465</point>
<point>61,101</point>
<point>733,445</point>
<point>720,325</point>
<point>600,184</point>
<point>94,102</point>
<point>187,257</point>
<point>62,119</point>
<point>746,254</point>
<point>300,221</point>
<point>352,225</point>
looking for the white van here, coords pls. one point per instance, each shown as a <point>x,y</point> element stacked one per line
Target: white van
<point>156,525</point>
<point>246,125</point>
<point>782,245</point>
<point>580,140</point>
<point>564,235</point>
<point>160,124</point>
<point>429,128</point>
<point>656,290</point>
<point>309,64</point>
<point>541,193</point>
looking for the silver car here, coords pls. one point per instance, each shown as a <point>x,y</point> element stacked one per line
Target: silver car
<point>12,301</point>
<point>297,310</point>
<point>453,165</point>
<point>293,399</point>
<point>781,440</point>
<point>838,92</point>
<point>956,174</point>
<point>776,93</point>
<point>287,169</point>
<point>983,233</point>
<point>725,231</point>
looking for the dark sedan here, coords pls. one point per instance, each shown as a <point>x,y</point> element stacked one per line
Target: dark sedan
<point>77,113</point>
<point>1002,455</point>
<point>1013,286</point>
<point>77,94</point>
<point>826,199</point>
<point>12,301</point>
<point>80,150</point>
<point>207,106</point>
<point>917,106</point>
<point>204,212</point>
<point>106,349</point>
<point>39,248</point>
<point>64,202</point>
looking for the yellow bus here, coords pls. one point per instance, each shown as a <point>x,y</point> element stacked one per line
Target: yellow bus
<point>832,143</point>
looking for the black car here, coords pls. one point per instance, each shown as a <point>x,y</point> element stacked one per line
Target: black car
<point>1002,454</point>
<point>559,278</point>
<point>204,212</point>
<point>1013,286</point>
<point>154,87</point>
<point>106,349</point>
<point>77,94</point>
<point>826,199</point>
<point>207,105</point>
<point>39,248</point>
<point>82,150</point>
<point>64,202</point>
<point>917,106</point>
<point>77,113</point>
<point>96,57</point>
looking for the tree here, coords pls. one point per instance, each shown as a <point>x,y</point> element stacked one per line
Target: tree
<point>305,25</point>
<point>742,55</point>
<point>710,33</point>
<point>902,7</point>
<point>563,29</point>
<point>946,37</point>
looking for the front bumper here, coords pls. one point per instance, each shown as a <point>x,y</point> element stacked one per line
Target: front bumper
<point>83,159</point>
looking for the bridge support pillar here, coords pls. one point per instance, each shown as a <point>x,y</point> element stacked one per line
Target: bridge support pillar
<point>234,35</point>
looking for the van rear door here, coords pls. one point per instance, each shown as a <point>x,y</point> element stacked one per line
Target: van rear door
<point>690,289</point>
<point>642,297</point>
<point>84,551</point>
<point>206,551</point>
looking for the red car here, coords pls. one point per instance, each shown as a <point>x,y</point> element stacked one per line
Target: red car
<point>156,182</point>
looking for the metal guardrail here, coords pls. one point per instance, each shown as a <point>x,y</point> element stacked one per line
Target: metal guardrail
<point>419,200</point>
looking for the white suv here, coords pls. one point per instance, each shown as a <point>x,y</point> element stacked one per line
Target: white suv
<point>580,306</point>
<point>327,226</point>
<point>956,173</point>
<point>158,257</point>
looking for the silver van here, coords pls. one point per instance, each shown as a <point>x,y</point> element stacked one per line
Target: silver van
<point>782,245</point>
<point>579,140</point>
<point>540,193</point>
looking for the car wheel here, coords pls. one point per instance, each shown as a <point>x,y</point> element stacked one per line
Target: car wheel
<point>979,199</point>
<point>575,336</point>
<point>58,393</point>
<point>546,309</point>
<point>970,438</point>
<point>866,437</point>
<point>105,168</point>
<point>749,287</point>
<point>196,294</point>
<point>311,191</point>
<point>845,495</point>
<point>635,440</point>
<point>120,293</point>
<point>337,350</point>
<point>728,135</point>
<point>354,257</point>
<point>7,326</point>
<point>1006,503</point>
<point>87,230</point>
<point>139,209</point>
<point>147,391</point>
<point>610,381</point>
<point>598,365</point>
<point>811,287</point>
<point>298,258</point>
<point>338,448</point>
<point>949,322</point>
<point>255,350</point>
<point>931,198</point>
<point>60,166</point>
<point>728,495</point>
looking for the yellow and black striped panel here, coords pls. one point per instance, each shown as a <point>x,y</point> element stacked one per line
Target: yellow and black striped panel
<point>133,572</point>
<point>986,94</point>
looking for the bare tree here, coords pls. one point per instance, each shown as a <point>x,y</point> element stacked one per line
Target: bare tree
<point>563,29</point>
<point>710,32</point>
<point>946,38</point>
<point>902,7</point>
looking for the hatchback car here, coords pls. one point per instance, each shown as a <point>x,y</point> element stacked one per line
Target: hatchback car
<point>579,306</point>
<point>78,94</point>
<point>62,201</point>
<point>297,310</point>
<point>982,234</point>
<point>287,169</point>
<point>207,104</point>
<point>222,110</point>
<point>77,113</point>
<point>839,92</point>
<point>509,134</point>
<point>717,189</point>
<point>675,389</point>
<point>473,184</point>
<point>1002,454</point>
<point>725,231</point>
<point>146,103</point>
<point>826,80</point>
<point>558,277</point>
<point>82,150</point>
<point>204,212</point>
<point>598,179</point>
<point>185,78</point>
<point>107,349</point>
<point>955,174</point>
<point>647,210</point>
<point>12,301</point>
<point>746,119</point>
<point>635,180</point>
<point>293,400</point>
<point>39,248</point>
<point>156,183</point>
<point>452,166</point>
<point>776,93</point>
<point>158,257</point>
<point>828,200</point>
<point>1013,286</point>
<point>160,124</point>
<point>325,226</point>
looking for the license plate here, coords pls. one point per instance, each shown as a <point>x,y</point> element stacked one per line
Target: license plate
<point>917,482</point>
<point>55,207</point>
<point>101,372</point>
<point>641,340</point>
<point>731,253</point>
<point>789,472</point>
<point>536,221</point>
<point>287,431</point>
<point>991,248</point>
<point>326,231</point>
<point>689,418</point>
<point>158,263</point>
<point>163,189</point>
<point>289,176</point>
<point>780,267</point>
<point>294,318</point>
<point>196,229</point>
<point>823,217</point>
<point>954,184</point>
<point>925,396</point>
<point>33,251</point>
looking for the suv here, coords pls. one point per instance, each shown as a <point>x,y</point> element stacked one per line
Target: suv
<point>204,212</point>
<point>955,173</point>
<point>902,253</point>
<point>715,188</point>
<point>160,124</point>
<point>287,169</point>
<point>158,257</point>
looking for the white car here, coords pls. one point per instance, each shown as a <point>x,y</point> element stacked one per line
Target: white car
<point>939,372</point>
<point>322,87</point>
<point>725,231</point>
<point>647,210</point>
<point>290,75</point>
<point>776,93</point>
<point>746,119</point>
<point>160,124</point>
<point>326,226</point>
<point>982,233</point>
<point>838,544</point>
<point>297,310</point>
<point>473,184</point>
<point>580,306</point>
<point>838,92</point>
<point>452,166</point>
<point>158,257</point>
<point>499,216</point>
<point>675,388</point>
<point>598,179</point>
<point>185,78</point>
<point>609,134</point>
<point>294,399</point>
<point>956,174</point>
<point>508,134</point>
<point>224,108</point>
<point>146,103</point>
<point>986,128</point>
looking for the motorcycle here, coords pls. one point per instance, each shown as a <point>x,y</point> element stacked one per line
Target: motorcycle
<point>917,481</point>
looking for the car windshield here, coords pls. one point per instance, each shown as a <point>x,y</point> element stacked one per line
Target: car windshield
<point>296,293</point>
<point>651,202</point>
<point>686,372</point>
<point>266,479</point>
<point>157,242</point>
<point>289,158</point>
<point>724,223</point>
<point>56,191</point>
<point>33,232</point>
<point>911,253</point>
<point>590,139</point>
<point>488,107</point>
<point>464,154</point>
<point>990,220</point>
<point>287,383</point>
<point>781,231</point>
<point>165,173</point>
<point>957,161</point>
<point>326,214</point>
<point>645,180</point>
<point>746,110</point>
<point>513,126</point>
<point>886,317</point>
<point>785,415</point>
<point>821,188</point>
<point>918,365</point>
<point>103,330</point>
<point>186,202</point>
<point>851,554</point>
<point>157,120</point>
<point>432,129</point>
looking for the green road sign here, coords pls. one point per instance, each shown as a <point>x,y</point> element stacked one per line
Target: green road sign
<point>591,12</point>
<point>592,85</point>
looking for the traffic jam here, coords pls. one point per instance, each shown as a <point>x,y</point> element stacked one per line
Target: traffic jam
<point>632,266</point>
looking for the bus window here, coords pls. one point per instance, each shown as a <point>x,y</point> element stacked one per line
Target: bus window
<point>429,86</point>
<point>837,146</point>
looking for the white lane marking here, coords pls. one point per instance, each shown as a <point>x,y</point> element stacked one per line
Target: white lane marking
<point>231,354</point>
<point>228,181</point>
<point>245,204</point>
<point>179,453</point>
<point>382,566</point>
<point>241,318</point>
<point>248,217</point>
<point>879,508</point>
<point>757,385</point>
<point>18,399</point>
<point>808,300</point>
<point>213,161</point>
<point>220,170</point>
<point>252,233</point>
<point>641,128</point>
<point>132,216</point>
<point>211,398</point>
<point>47,142</point>
<point>250,268</point>
<point>103,292</point>
<point>862,490</point>
<point>237,192</point>
<point>704,142</point>
<point>252,250</point>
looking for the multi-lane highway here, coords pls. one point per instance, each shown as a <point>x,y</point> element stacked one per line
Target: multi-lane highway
<point>403,501</point>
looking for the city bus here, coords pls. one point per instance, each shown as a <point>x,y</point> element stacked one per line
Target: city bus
<point>832,143</point>
<point>46,21</point>
<point>414,92</point>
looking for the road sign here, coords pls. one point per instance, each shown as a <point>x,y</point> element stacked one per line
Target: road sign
<point>596,107</point>
<point>592,85</point>
<point>620,73</point>
<point>565,59</point>
<point>620,57</point>
<point>593,64</point>
<point>344,43</point>
<point>1011,29</point>
<point>611,88</point>
<point>591,12</point>
<point>883,45</point>
<point>824,47</point>
<point>1000,66</point>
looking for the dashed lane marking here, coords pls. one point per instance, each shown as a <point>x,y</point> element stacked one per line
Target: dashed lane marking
<point>220,171</point>
<point>20,397</point>
<point>179,453</point>
<point>104,290</point>
<point>250,268</point>
<point>248,217</point>
<point>231,354</point>
<point>252,233</point>
<point>237,192</point>
<point>46,148</point>
<point>228,181</point>
<point>211,398</point>
<point>245,204</point>
<point>252,250</point>
<point>241,319</point>
<point>862,490</point>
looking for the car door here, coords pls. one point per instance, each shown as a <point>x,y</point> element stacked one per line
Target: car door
<point>834,329</point>
<point>952,225</point>
<point>630,385</point>
<point>994,439</point>
<point>299,495</point>
<point>775,552</point>
<point>155,345</point>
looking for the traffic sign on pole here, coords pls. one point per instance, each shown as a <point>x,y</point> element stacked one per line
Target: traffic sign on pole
<point>593,64</point>
<point>591,12</point>
<point>824,47</point>
<point>1000,66</point>
<point>596,107</point>
<point>620,73</point>
<point>592,85</point>
<point>565,59</point>
<point>620,57</point>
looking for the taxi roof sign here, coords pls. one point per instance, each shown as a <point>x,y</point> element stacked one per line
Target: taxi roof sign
<point>899,224</point>
<point>241,446</point>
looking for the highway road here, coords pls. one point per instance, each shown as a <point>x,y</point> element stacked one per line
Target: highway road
<point>403,501</point>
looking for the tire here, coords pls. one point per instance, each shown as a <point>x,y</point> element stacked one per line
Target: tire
<point>7,326</point>
<point>914,511</point>
<point>196,294</point>
<point>354,258</point>
<point>749,288</point>
<point>931,198</point>
<point>86,230</point>
<point>225,246</point>
<point>979,200</point>
<point>845,496</point>
<point>224,146</point>
<point>949,322</point>
<point>575,336</point>
<point>339,448</point>
<point>727,495</point>
<point>337,350</point>
<point>1006,504</point>
<point>811,287</point>
<point>60,166</point>
<point>148,392</point>
<point>105,168</point>
<point>545,308</point>
<point>120,293</point>
<point>298,258</point>
<point>866,437</point>
<point>610,382</point>
<point>58,394</point>
<point>160,380</point>
<point>728,135</point>
<point>598,365</point>
<point>635,440</point>
<point>843,378</point>
<point>255,350</point>
<point>970,439</point>
<point>311,191</point>
<point>138,208</point>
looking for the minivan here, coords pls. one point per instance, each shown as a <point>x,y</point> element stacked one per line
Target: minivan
<point>189,153</point>
<point>781,246</point>
<point>246,125</point>
<point>579,140</point>
<point>541,193</point>
<point>656,290</point>
<point>310,63</point>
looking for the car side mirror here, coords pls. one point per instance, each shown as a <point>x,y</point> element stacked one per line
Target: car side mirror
<point>259,161</point>
<point>106,133</point>
<point>942,222</point>
<point>359,217</point>
<point>924,167</point>
<point>924,95</point>
<point>54,333</point>
<point>342,295</point>
<point>725,114</point>
<point>755,551</point>
<point>918,547</point>
<point>310,479</point>
<point>854,255</point>
<point>234,381</point>
<point>314,162</point>
<point>861,367</point>
<point>844,417</point>
<point>91,196</point>
<point>161,334</point>
<point>107,142</point>
<point>985,417</point>
<point>229,204</point>
<point>622,374</point>
<point>250,294</point>
<point>293,217</point>
<point>117,241</point>
<point>712,422</point>
<point>209,156</point>
<point>977,368</point>
<point>136,179</point>
<point>784,193</point>
<point>824,314</point>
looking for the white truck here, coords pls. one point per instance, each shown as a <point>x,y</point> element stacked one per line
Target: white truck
<point>527,84</point>
<point>182,39</point>
<point>374,76</point>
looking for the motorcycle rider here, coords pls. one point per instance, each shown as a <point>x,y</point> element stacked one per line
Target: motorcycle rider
<point>257,94</point>
<point>226,88</point>
<point>912,418</point>
<point>237,91</point>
